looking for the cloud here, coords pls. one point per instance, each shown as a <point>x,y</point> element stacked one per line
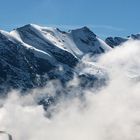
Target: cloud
<point>111,113</point>
<point>107,27</point>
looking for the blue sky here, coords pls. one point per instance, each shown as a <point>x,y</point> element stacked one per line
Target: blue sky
<point>104,17</point>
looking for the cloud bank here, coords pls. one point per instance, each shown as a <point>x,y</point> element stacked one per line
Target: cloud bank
<point>111,113</point>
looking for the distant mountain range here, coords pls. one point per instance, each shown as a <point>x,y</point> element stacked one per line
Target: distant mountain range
<point>32,55</point>
<point>116,41</point>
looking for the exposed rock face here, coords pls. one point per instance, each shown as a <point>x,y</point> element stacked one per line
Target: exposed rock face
<point>31,55</point>
<point>116,41</point>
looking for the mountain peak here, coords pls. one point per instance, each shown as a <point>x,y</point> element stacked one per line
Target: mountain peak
<point>116,41</point>
<point>32,51</point>
<point>27,26</point>
<point>135,36</point>
<point>84,29</point>
<point>77,42</point>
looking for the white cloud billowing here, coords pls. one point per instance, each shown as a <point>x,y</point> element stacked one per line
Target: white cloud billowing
<point>112,113</point>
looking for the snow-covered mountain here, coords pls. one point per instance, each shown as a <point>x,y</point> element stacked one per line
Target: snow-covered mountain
<point>77,42</point>
<point>31,55</point>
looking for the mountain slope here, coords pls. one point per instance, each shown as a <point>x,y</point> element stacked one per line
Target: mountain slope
<point>77,42</point>
<point>116,41</point>
<point>19,66</point>
<point>32,55</point>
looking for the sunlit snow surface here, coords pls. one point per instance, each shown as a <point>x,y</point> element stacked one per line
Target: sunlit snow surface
<point>69,41</point>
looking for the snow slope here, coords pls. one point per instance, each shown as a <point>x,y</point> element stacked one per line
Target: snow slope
<point>31,55</point>
<point>77,42</point>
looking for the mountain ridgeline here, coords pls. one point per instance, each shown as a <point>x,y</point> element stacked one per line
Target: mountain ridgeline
<point>32,55</point>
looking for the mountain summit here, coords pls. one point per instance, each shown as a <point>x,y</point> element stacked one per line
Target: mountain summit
<point>31,55</point>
